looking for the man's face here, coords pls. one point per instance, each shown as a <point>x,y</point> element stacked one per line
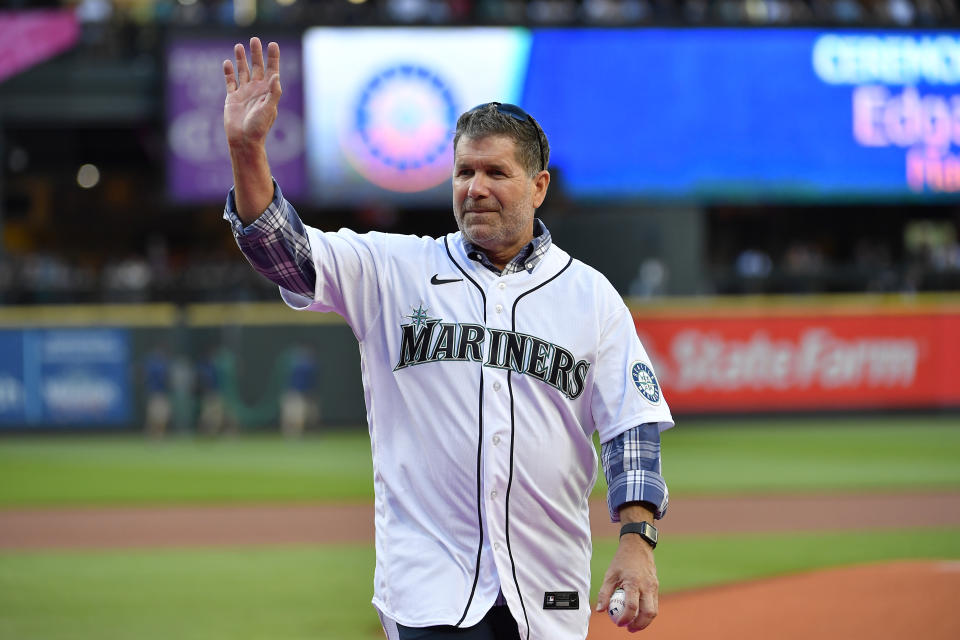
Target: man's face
<point>494,198</point>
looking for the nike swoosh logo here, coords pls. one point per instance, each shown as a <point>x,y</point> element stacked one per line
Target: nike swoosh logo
<point>436,280</point>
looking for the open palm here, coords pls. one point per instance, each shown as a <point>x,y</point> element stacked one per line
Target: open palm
<point>252,94</point>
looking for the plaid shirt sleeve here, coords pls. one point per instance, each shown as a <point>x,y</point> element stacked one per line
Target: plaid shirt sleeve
<point>631,464</point>
<point>276,244</point>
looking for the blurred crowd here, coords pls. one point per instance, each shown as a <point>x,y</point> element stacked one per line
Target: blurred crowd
<point>806,268</point>
<point>928,260</point>
<point>49,278</point>
<point>600,12</point>
<point>923,256</point>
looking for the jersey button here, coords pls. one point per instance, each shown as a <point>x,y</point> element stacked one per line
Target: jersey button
<point>496,440</point>
<point>499,308</point>
<point>502,286</point>
<point>496,546</point>
<point>496,386</point>
<point>493,495</point>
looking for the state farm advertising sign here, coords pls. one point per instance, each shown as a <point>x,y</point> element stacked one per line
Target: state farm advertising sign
<point>807,361</point>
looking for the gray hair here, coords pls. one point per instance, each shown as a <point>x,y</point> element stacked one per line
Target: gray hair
<point>496,119</point>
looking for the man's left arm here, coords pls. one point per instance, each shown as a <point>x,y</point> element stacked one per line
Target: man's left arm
<point>636,493</point>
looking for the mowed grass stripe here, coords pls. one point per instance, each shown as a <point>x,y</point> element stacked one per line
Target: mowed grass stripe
<point>900,453</point>
<point>231,594</point>
<point>892,453</point>
<point>324,592</point>
<point>687,562</point>
<point>131,470</point>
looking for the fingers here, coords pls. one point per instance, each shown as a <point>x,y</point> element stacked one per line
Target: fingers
<point>229,76</point>
<point>256,59</point>
<point>649,606</point>
<point>631,606</point>
<point>275,90</point>
<point>273,59</point>
<point>243,72</point>
<point>257,70</point>
<point>606,590</point>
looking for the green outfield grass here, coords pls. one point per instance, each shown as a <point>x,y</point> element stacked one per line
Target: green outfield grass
<point>324,593</point>
<point>700,457</point>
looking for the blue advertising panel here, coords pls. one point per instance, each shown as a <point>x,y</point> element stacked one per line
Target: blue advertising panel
<point>705,114</point>
<point>12,388</point>
<point>85,375</point>
<point>65,377</point>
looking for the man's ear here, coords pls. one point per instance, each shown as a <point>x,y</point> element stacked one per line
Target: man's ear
<point>540,184</point>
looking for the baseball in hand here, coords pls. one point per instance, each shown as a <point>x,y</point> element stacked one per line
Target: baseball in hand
<point>617,603</point>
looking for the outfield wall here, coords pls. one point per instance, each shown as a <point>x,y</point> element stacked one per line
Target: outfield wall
<point>76,367</point>
<point>247,353</point>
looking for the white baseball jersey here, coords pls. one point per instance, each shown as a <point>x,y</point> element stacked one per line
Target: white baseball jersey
<point>482,393</point>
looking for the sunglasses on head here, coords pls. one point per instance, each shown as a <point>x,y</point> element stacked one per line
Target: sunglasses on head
<point>517,113</point>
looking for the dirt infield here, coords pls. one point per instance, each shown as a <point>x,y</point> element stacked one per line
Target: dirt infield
<point>126,527</point>
<point>877,602</point>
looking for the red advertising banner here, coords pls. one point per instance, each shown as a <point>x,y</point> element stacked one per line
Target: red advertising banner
<point>810,357</point>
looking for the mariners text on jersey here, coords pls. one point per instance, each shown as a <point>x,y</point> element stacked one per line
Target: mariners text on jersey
<point>429,340</point>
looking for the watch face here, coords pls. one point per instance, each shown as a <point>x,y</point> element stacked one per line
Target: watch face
<point>643,529</point>
<point>650,531</point>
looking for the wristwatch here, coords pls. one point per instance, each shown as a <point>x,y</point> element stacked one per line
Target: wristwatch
<point>643,529</point>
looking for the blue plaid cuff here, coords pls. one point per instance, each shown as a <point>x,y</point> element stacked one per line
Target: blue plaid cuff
<point>276,244</point>
<point>631,464</point>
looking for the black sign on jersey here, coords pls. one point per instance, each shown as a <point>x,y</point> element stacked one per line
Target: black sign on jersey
<point>427,340</point>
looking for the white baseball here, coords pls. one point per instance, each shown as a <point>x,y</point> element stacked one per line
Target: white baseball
<point>617,603</point>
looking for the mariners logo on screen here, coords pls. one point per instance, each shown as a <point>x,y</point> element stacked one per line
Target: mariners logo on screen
<point>646,382</point>
<point>425,339</point>
<point>402,128</point>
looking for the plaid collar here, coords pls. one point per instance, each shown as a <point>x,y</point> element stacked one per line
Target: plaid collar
<point>526,260</point>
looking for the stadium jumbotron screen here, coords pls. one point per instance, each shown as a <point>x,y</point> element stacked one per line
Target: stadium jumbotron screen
<point>662,114</point>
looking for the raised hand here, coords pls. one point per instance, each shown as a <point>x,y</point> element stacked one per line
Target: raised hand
<point>248,113</point>
<point>252,94</point>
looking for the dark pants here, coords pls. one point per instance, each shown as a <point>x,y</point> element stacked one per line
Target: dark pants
<point>498,624</point>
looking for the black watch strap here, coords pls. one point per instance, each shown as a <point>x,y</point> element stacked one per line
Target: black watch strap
<point>643,529</point>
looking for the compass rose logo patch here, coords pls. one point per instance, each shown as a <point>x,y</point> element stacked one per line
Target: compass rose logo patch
<point>646,382</point>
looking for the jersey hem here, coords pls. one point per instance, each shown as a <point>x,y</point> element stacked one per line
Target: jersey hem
<point>430,622</point>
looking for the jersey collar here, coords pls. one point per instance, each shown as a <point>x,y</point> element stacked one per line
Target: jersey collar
<point>526,260</point>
